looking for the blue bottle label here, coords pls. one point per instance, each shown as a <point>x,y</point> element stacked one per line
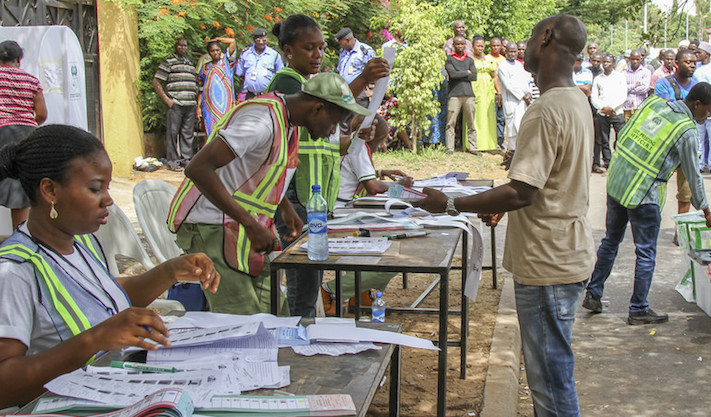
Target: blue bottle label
<point>318,223</point>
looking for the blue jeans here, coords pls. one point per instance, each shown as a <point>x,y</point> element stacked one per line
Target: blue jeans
<point>704,130</point>
<point>546,315</point>
<point>645,221</point>
<point>500,124</point>
<point>302,285</point>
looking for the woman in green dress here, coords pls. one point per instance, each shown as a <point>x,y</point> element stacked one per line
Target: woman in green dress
<point>485,88</point>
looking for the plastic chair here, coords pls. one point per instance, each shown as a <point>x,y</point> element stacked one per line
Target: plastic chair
<point>118,237</point>
<point>152,201</point>
<point>152,198</point>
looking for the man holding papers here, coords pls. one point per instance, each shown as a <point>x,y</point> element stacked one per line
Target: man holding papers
<point>549,247</point>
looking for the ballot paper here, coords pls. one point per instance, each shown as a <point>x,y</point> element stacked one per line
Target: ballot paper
<point>355,245</point>
<point>309,405</point>
<point>440,181</point>
<point>334,349</point>
<point>206,320</point>
<point>171,402</point>
<point>337,333</point>
<point>361,219</point>
<point>381,86</point>
<point>125,390</point>
<point>260,346</point>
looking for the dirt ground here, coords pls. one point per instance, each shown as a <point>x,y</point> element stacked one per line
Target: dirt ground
<point>419,367</point>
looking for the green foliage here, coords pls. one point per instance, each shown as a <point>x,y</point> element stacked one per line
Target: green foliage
<point>418,68</point>
<point>162,22</point>
<point>514,19</point>
<point>633,36</point>
<point>601,12</point>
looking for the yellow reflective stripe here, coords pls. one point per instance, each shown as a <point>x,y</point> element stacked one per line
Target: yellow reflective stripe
<point>55,288</point>
<point>86,241</point>
<point>253,204</point>
<point>175,207</point>
<point>243,246</point>
<point>275,170</point>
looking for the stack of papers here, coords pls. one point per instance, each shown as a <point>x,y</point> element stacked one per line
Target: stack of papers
<point>172,402</point>
<point>224,360</point>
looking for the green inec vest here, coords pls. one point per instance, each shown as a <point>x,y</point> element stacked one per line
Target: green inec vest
<point>643,146</point>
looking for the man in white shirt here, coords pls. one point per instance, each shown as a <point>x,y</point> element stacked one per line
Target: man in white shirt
<point>609,92</point>
<point>515,92</point>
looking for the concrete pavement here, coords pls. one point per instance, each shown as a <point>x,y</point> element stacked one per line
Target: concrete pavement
<point>622,370</point>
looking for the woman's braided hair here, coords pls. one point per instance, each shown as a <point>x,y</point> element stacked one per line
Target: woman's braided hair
<point>45,153</point>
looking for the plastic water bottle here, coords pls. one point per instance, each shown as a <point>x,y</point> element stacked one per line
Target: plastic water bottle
<point>317,210</point>
<point>378,308</point>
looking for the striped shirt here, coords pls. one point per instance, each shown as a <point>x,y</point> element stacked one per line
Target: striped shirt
<point>180,82</point>
<point>636,93</point>
<point>17,97</point>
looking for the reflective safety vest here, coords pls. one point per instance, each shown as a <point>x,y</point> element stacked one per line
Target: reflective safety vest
<point>259,195</point>
<point>68,304</point>
<point>643,146</point>
<point>319,159</point>
<point>319,163</point>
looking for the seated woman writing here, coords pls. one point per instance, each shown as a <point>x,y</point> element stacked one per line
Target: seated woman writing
<point>60,305</point>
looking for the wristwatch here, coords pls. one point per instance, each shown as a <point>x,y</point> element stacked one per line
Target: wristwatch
<point>451,210</point>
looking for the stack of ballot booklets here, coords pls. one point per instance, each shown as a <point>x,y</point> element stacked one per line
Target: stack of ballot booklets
<point>174,402</point>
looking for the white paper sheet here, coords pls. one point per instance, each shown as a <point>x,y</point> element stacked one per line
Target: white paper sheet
<point>124,390</point>
<point>381,86</point>
<point>334,349</point>
<point>330,333</point>
<point>206,320</point>
<point>476,255</point>
<point>353,245</point>
<point>261,347</point>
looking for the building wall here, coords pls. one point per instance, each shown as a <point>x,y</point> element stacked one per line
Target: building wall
<point>119,69</point>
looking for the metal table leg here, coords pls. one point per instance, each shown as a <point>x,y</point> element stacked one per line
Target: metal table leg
<point>464,332</point>
<point>275,290</point>
<point>442,362</point>
<point>493,256</point>
<point>357,295</point>
<point>395,361</point>
<point>339,294</point>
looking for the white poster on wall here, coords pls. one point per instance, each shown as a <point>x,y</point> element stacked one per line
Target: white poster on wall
<point>53,55</point>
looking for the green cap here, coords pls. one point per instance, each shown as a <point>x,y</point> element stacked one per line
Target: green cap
<point>331,87</point>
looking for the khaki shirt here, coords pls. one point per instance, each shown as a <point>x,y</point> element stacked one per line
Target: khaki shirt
<point>550,242</point>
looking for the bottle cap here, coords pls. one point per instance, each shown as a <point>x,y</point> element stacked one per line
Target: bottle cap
<point>378,294</point>
<point>315,188</point>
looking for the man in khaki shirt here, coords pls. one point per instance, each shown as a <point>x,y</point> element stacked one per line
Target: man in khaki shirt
<point>549,246</point>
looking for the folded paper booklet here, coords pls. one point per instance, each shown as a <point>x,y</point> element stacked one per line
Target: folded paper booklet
<point>172,402</point>
<point>168,402</point>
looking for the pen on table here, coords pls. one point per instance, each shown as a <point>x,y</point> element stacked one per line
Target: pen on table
<point>142,367</point>
<point>407,235</point>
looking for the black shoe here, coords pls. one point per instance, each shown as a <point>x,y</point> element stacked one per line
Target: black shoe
<point>675,239</point>
<point>592,303</point>
<point>647,317</point>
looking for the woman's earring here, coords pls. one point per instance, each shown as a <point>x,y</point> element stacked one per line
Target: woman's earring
<point>288,56</point>
<point>53,212</point>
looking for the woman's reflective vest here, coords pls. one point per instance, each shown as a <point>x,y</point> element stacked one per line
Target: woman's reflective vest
<point>259,195</point>
<point>642,148</point>
<point>319,159</point>
<point>68,304</point>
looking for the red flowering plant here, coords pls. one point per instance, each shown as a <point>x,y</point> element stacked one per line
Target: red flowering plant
<point>162,22</point>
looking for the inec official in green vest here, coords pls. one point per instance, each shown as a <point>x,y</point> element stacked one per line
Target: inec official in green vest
<point>659,137</point>
<point>226,205</point>
<point>303,46</point>
<point>60,306</point>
